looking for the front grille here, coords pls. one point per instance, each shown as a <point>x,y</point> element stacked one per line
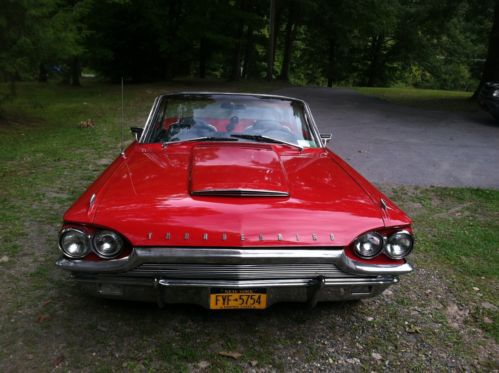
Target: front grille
<point>238,271</point>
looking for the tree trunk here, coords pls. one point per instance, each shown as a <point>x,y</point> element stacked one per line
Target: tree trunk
<point>75,72</point>
<point>374,66</point>
<point>203,56</point>
<point>236,57</point>
<point>491,68</point>
<point>331,63</point>
<point>249,53</point>
<point>12,85</point>
<point>288,43</point>
<point>270,52</point>
<point>277,26</point>
<point>42,73</point>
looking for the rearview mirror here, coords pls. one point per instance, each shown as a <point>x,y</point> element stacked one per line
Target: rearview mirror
<point>326,137</point>
<point>136,132</point>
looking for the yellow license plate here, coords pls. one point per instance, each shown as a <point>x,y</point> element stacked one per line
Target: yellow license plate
<point>224,299</point>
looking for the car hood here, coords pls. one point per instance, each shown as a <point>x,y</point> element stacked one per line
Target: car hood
<point>195,194</point>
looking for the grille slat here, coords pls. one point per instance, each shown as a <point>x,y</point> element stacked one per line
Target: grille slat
<point>239,271</point>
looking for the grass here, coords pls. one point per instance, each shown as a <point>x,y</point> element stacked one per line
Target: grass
<point>46,161</point>
<point>457,230</point>
<point>430,99</point>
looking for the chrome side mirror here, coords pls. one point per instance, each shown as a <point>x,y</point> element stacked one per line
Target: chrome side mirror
<point>326,137</point>
<point>136,132</point>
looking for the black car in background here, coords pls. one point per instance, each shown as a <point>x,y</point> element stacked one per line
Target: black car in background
<point>489,98</point>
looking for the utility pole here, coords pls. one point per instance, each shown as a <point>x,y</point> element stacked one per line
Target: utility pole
<point>270,57</point>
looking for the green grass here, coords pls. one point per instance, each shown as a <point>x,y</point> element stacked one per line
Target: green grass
<point>46,161</point>
<point>457,230</point>
<point>431,99</point>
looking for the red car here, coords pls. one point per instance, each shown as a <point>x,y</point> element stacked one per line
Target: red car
<point>233,201</point>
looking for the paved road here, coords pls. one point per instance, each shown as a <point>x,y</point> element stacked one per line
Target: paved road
<point>390,143</point>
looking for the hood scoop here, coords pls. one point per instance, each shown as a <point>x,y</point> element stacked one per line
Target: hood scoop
<point>240,193</point>
<point>237,170</point>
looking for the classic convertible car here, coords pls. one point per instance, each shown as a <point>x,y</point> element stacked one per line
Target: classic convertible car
<point>233,201</point>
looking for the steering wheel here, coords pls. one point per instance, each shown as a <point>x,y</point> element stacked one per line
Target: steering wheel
<point>189,127</point>
<point>203,126</point>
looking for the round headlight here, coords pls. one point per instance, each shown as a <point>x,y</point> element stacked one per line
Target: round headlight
<point>74,243</point>
<point>107,243</point>
<point>399,245</point>
<point>368,245</point>
<point>495,93</point>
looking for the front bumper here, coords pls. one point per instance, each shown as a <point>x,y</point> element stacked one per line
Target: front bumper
<point>186,275</point>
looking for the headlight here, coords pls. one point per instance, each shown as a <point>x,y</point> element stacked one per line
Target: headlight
<point>495,93</point>
<point>74,243</point>
<point>368,245</point>
<point>399,245</point>
<point>107,243</point>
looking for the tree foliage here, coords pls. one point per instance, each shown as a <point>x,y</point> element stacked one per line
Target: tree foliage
<point>423,43</point>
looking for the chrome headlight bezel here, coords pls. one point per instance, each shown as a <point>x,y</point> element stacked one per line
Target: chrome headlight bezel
<point>397,238</point>
<point>115,237</point>
<point>369,237</point>
<point>84,237</point>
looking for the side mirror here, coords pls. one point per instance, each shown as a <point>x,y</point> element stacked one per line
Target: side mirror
<point>136,132</point>
<point>326,137</point>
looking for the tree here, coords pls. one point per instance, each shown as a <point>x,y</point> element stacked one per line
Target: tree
<point>491,67</point>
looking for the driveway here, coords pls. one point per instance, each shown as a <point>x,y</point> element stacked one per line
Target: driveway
<point>390,143</point>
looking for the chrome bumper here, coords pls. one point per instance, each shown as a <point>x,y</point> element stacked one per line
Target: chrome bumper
<point>118,278</point>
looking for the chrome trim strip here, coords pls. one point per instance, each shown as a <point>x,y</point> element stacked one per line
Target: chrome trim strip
<point>149,119</point>
<point>315,129</point>
<point>172,255</point>
<point>238,271</point>
<point>275,283</point>
<point>353,266</point>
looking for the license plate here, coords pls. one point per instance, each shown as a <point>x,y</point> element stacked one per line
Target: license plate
<point>224,299</point>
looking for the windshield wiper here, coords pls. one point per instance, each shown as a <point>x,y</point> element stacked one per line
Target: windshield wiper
<point>203,138</point>
<point>262,138</point>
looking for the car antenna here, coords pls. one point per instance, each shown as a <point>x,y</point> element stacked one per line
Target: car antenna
<point>122,150</point>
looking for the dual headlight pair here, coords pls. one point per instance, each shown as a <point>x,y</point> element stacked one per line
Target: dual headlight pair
<point>396,246</point>
<point>77,244</point>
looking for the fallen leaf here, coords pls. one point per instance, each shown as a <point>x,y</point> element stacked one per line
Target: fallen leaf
<point>203,364</point>
<point>475,288</point>
<point>58,360</point>
<point>101,328</point>
<point>253,363</point>
<point>232,354</point>
<point>376,356</point>
<point>369,318</point>
<point>4,259</point>
<point>42,318</point>
<point>412,329</point>
<point>486,320</point>
<point>353,361</point>
<point>89,123</point>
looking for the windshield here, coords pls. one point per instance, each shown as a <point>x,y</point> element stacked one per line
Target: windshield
<point>236,117</point>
